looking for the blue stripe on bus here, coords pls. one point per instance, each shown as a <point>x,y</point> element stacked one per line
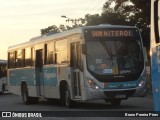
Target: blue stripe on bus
<point>123,85</point>
<point>50,76</point>
<point>155,75</point>
<point>16,76</point>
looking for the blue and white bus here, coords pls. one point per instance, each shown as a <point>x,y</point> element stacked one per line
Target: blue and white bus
<point>3,76</point>
<point>155,52</point>
<point>82,64</point>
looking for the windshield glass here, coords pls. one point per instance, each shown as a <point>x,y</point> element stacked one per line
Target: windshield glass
<point>114,55</point>
<point>3,70</point>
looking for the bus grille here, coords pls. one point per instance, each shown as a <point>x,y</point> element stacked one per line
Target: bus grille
<point>112,94</point>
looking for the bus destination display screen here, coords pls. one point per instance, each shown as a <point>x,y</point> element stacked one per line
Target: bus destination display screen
<point>107,33</point>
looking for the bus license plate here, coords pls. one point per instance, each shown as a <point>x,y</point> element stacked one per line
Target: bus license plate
<point>120,96</point>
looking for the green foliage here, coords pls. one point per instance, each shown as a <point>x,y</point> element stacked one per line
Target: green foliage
<point>125,12</point>
<point>116,12</point>
<point>50,29</point>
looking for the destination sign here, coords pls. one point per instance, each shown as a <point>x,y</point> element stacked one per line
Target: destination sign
<point>112,33</point>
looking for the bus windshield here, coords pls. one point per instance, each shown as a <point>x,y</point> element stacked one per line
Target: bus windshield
<point>3,69</point>
<point>114,55</point>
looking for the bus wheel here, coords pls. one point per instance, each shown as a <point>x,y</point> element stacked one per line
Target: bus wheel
<point>67,99</point>
<point>115,102</point>
<point>24,93</point>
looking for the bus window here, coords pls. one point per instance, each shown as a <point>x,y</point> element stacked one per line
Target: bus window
<point>20,58</point>
<point>50,52</point>
<point>3,70</point>
<point>156,19</point>
<point>61,51</point>
<point>11,59</point>
<point>76,55</point>
<point>29,57</point>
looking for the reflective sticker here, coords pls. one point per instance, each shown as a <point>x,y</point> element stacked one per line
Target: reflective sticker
<point>109,71</point>
<point>102,66</point>
<point>115,70</point>
<point>98,60</point>
<point>92,67</point>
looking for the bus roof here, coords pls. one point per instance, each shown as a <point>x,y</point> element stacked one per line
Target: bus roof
<point>44,38</point>
<point>3,61</point>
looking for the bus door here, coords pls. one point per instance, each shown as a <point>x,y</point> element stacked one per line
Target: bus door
<point>39,71</point>
<point>75,66</point>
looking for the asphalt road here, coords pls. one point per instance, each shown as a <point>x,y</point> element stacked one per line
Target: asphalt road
<point>87,110</point>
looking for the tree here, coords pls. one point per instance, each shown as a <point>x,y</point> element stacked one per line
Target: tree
<point>93,19</point>
<point>125,12</point>
<point>117,12</point>
<point>50,29</point>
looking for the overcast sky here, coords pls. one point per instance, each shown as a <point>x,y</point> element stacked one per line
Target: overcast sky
<point>21,20</point>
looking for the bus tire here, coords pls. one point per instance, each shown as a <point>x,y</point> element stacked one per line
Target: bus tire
<point>34,100</point>
<point>68,102</point>
<point>24,93</point>
<point>67,98</point>
<point>115,102</point>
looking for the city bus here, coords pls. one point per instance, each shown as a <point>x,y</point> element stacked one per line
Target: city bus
<point>87,63</point>
<point>155,52</point>
<point>3,76</point>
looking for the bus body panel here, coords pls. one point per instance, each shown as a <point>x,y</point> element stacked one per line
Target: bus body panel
<point>17,76</point>
<point>50,78</point>
<point>44,80</point>
<point>155,52</point>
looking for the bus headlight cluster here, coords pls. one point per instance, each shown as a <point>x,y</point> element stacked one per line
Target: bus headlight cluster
<point>92,84</point>
<point>141,83</point>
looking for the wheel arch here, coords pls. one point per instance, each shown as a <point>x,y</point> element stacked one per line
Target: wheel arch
<point>62,85</point>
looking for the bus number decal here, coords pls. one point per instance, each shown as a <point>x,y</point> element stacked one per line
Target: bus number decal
<point>109,71</point>
<point>112,33</point>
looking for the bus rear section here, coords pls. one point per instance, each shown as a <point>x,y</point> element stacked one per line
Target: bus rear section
<point>3,76</point>
<point>114,64</point>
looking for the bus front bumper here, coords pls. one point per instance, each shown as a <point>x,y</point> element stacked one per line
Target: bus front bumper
<point>93,94</point>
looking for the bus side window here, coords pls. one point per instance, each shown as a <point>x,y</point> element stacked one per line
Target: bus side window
<point>11,59</point>
<point>76,59</point>
<point>29,56</point>
<point>156,21</point>
<point>19,58</point>
<point>49,51</point>
<point>3,70</point>
<point>61,51</point>
<point>79,56</point>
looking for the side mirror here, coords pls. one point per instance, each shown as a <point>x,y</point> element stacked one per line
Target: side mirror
<point>84,48</point>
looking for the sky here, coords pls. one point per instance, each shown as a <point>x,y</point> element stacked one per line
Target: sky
<point>21,20</point>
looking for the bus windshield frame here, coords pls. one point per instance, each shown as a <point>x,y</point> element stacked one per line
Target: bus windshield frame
<point>114,54</point>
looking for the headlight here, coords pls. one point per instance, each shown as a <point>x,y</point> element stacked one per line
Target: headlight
<point>92,84</point>
<point>141,83</point>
